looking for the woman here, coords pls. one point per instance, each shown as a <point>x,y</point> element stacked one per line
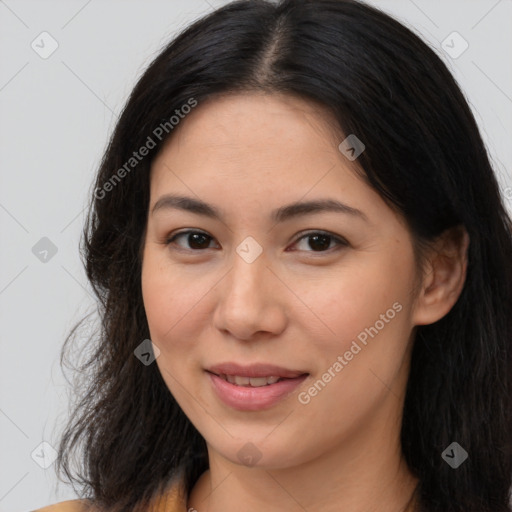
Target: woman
<point>302,259</point>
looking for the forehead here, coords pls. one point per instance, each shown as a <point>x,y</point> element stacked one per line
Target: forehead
<point>240,123</point>
<point>251,151</point>
<point>273,141</point>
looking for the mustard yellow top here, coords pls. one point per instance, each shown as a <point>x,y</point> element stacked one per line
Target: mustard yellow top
<point>173,500</point>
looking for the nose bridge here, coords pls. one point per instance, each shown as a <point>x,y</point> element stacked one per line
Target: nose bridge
<point>247,303</point>
<point>248,278</point>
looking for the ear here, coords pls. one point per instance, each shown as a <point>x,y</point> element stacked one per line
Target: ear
<point>444,277</point>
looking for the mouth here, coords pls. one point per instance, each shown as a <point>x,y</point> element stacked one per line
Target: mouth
<point>254,388</point>
<point>254,375</point>
<point>253,382</point>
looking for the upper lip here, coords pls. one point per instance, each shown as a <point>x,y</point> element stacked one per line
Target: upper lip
<point>254,370</point>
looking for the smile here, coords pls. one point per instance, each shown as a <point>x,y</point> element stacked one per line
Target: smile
<point>253,393</point>
<point>254,382</point>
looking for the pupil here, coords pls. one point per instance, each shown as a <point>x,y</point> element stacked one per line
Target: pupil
<point>193,240</point>
<point>324,238</point>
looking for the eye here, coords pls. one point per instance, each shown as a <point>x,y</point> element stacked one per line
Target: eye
<point>319,241</point>
<point>196,239</point>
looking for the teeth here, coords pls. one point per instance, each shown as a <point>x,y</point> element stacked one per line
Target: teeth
<point>250,381</point>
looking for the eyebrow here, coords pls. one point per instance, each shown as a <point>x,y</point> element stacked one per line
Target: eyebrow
<point>282,214</point>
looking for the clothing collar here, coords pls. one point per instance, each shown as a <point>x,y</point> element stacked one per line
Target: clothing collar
<point>174,498</point>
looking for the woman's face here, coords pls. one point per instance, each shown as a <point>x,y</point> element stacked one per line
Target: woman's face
<point>324,294</point>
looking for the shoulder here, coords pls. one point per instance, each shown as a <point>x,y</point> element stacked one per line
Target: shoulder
<point>67,506</point>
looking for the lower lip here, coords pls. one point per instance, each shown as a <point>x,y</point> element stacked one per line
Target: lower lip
<point>246,398</point>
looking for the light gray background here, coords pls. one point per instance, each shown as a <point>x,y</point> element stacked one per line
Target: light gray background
<point>55,118</point>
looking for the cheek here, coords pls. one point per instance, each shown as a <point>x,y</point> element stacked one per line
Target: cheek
<point>359,300</point>
<point>173,302</point>
<point>170,303</point>
<point>160,289</point>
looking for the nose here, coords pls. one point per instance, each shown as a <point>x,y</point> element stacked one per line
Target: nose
<point>250,301</point>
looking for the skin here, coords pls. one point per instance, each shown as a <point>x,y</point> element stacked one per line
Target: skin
<point>294,306</point>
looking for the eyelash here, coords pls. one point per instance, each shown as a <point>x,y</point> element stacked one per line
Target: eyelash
<point>339,241</point>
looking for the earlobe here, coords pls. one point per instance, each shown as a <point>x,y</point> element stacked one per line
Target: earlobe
<point>444,277</point>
